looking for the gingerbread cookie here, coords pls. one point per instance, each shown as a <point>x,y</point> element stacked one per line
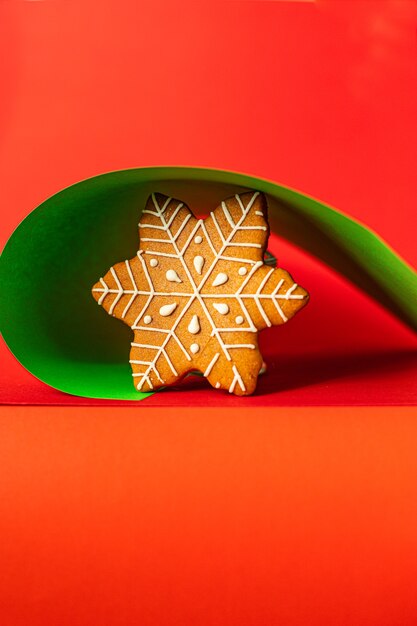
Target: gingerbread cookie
<point>197,293</point>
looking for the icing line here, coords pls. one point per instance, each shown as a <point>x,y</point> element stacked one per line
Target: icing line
<point>211,364</point>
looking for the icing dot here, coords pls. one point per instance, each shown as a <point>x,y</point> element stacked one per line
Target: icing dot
<point>198,264</point>
<point>198,239</point>
<point>153,262</point>
<point>242,271</point>
<point>173,277</point>
<point>147,319</point>
<point>194,348</point>
<point>239,319</point>
<point>167,309</point>
<point>223,309</point>
<point>220,279</point>
<point>194,325</point>
<point>217,385</point>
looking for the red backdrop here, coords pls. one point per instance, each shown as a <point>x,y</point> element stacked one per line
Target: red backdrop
<point>320,96</point>
<point>290,517</point>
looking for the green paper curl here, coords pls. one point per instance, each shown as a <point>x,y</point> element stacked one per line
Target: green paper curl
<point>49,319</point>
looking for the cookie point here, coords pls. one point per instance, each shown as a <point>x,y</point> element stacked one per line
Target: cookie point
<point>97,291</point>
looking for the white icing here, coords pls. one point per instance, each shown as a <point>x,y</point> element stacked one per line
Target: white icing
<point>150,212</point>
<point>135,288</point>
<point>139,385</point>
<point>198,264</point>
<point>245,245</point>
<point>119,291</point>
<point>104,292</point>
<point>163,352</point>
<point>213,249</point>
<point>211,364</point>
<point>217,385</point>
<point>236,379</point>
<point>222,308</point>
<point>218,247</point>
<point>167,309</point>
<point>220,279</point>
<point>242,271</point>
<point>158,253</point>
<point>181,228</point>
<point>219,230</point>
<point>253,228</point>
<point>288,295</point>
<point>238,330</point>
<point>236,258</point>
<point>194,325</point>
<point>143,225</point>
<point>173,277</point>
<point>155,240</point>
<point>245,210</point>
<point>164,206</point>
<point>258,304</point>
<point>190,236</point>
<point>259,213</point>
<point>227,215</point>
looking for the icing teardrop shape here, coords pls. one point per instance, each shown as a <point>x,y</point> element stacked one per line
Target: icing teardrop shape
<point>222,308</point>
<point>220,279</point>
<point>198,264</point>
<point>167,309</point>
<point>173,277</point>
<point>194,325</point>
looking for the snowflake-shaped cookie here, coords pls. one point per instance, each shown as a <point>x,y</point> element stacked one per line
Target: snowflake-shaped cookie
<point>197,293</point>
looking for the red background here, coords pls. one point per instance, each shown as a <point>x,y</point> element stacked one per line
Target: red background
<point>279,516</point>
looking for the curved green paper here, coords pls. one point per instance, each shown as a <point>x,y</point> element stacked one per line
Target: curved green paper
<point>52,324</point>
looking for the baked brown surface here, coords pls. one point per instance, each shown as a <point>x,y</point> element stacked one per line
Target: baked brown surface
<point>197,293</point>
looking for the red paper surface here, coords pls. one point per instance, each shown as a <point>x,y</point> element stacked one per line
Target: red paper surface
<point>211,517</point>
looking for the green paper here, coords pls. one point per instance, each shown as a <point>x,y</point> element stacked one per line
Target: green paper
<point>56,330</point>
